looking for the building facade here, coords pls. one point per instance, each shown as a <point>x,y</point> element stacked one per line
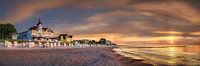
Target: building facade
<point>40,33</point>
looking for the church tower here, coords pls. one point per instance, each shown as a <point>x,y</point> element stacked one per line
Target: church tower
<point>40,28</point>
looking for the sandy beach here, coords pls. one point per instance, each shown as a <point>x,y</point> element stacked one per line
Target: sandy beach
<point>94,56</point>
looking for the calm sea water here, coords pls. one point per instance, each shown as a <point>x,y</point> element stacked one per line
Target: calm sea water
<point>187,55</point>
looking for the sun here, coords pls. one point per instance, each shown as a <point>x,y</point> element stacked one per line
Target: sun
<point>172,39</point>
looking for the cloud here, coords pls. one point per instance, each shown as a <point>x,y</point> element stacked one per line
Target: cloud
<point>137,22</point>
<point>27,9</point>
<point>24,10</point>
<point>195,33</point>
<point>177,9</point>
<point>127,19</point>
<point>145,21</point>
<point>169,32</point>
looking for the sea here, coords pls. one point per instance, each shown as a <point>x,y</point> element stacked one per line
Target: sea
<point>160,55</point>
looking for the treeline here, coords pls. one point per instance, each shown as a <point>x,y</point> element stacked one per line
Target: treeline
<point>101,41</point>
<point>6,31</point>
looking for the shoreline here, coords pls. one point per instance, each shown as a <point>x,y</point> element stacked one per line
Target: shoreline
<point>92,56</point>
<point>128,61</point>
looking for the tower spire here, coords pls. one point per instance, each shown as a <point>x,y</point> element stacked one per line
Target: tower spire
<point>39,22</point>
<point>40,28</point>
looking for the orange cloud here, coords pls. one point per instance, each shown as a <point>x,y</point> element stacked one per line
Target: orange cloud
<point>182,9</point>
<point>169,32</point>
<point>195,33</point>
<point>110,36</point>
<point>121,38</point>
<point>125,22</point>
<point>173,7</point>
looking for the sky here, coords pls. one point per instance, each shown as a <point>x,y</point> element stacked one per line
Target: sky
<point>121,21</point>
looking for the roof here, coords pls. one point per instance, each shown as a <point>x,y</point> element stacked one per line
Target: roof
<point>33,28</point>
<point>23,32</point>
<point>45,29</point>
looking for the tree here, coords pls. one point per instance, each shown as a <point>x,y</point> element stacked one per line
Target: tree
<point>6,31</point>
<point>92,42</point>
<point>102,41</point>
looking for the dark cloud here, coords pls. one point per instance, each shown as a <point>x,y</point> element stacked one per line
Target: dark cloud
<point>194,3</point>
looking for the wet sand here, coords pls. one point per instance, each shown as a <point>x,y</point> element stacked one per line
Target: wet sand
<point>95,56</point>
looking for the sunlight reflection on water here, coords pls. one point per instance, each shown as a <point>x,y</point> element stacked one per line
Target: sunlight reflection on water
<point>168,55</point>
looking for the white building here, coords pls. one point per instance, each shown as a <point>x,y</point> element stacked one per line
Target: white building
<point>37,32</point>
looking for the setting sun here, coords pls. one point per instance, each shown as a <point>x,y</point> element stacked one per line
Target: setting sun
<point>172,38</point>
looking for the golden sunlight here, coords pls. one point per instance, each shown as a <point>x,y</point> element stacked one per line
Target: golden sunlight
<point>195,33</point>
<point>169,32</point>
<point>172,38</point>
<point>121,38</point>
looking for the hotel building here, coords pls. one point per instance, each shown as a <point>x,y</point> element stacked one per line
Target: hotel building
<point>40,33</point>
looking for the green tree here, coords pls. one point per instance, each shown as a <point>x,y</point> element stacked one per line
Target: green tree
<point>6,31</point>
